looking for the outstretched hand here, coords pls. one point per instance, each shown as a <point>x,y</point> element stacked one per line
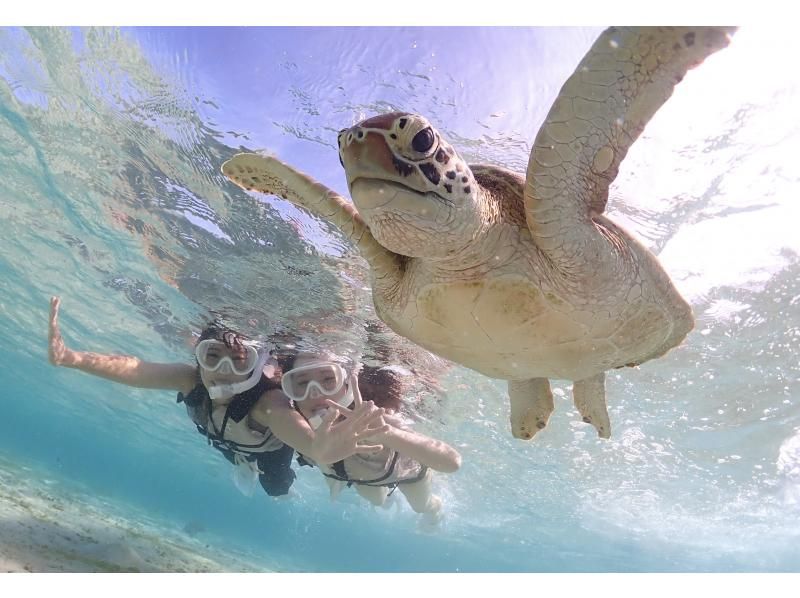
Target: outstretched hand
<point>336,440</point>
<point>378,426</point>
<point>57,351</point>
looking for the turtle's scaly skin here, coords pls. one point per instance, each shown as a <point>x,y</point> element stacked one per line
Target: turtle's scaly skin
<point>519,278</point>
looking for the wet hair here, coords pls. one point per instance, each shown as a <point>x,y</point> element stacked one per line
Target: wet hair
<point>288,359</point>
<point>382,386</point>
<point>220,332</point>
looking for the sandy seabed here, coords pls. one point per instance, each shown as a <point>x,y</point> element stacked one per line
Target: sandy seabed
<point>45,527</point>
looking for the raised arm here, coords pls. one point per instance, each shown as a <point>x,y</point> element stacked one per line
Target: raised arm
<point>123,369</point>
<point>434,453</point>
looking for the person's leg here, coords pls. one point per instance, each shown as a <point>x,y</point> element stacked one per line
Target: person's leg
<point>420,496</point>
<point>374,494</point>
<point>277,473</point>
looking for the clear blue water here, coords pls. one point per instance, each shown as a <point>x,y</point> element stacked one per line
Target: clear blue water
<point>111,197</point>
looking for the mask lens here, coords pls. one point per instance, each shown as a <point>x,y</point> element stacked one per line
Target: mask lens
<point>328,380</point>
<point>244,359</point>
<point>295,388</point>
<point>211,354</point>
<point>208,353</point>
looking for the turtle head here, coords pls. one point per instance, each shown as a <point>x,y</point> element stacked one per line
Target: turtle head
<point>417,195</point>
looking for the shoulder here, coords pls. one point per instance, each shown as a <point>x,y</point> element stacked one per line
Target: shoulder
<point>271,402</point>
<point>187,376</point>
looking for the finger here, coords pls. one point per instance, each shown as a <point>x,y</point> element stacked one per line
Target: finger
<point>364,422</point>
<point>52,330</point>
<point>356,390</point>
<point>342,410</point>
<point>352,424</point>
<point>364,411</point>
<point>54,303</point>
<point>327,420</point>
<point>378,425</point>
<point>373,431</point>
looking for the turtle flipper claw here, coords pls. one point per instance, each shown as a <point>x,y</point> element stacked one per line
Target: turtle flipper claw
<point>590,400</point>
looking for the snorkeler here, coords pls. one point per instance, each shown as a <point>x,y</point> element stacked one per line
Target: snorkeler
<point>233,396</point>
<point>318,387</point>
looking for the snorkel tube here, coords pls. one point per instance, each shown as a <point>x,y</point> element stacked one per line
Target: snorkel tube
<point>218,392</point>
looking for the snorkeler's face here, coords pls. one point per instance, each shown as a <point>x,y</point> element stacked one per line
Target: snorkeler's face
<point>220,364</point>
<point>304,373</point>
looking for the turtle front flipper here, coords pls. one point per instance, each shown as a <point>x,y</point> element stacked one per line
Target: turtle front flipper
<point>531,406</point>
<point>258,172</point>
<point>589,395</point>
<point>600,111</point>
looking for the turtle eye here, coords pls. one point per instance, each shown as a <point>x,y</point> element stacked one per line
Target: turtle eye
<point>423,141</point>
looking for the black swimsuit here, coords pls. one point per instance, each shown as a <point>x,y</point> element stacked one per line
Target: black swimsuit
<point>275,467</point>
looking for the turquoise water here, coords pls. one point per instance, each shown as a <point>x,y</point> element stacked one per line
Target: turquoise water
<point>111,197</point>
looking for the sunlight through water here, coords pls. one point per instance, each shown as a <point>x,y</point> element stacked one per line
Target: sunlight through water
<point>111,143</point>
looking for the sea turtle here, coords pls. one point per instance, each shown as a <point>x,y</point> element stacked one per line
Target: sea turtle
<point>519,278</point>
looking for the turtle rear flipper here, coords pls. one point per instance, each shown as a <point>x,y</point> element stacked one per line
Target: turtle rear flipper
<point>589,395</point>
<point>531,406</point>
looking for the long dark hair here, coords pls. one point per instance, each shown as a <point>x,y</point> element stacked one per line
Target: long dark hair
<point>219,332</point>
<point>383,386</point>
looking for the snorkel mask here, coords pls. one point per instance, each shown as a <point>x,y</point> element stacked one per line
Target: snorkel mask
<point>213,356</point>
<point>326,377</point>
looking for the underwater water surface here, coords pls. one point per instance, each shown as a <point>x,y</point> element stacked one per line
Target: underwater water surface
<point>111,197</point>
